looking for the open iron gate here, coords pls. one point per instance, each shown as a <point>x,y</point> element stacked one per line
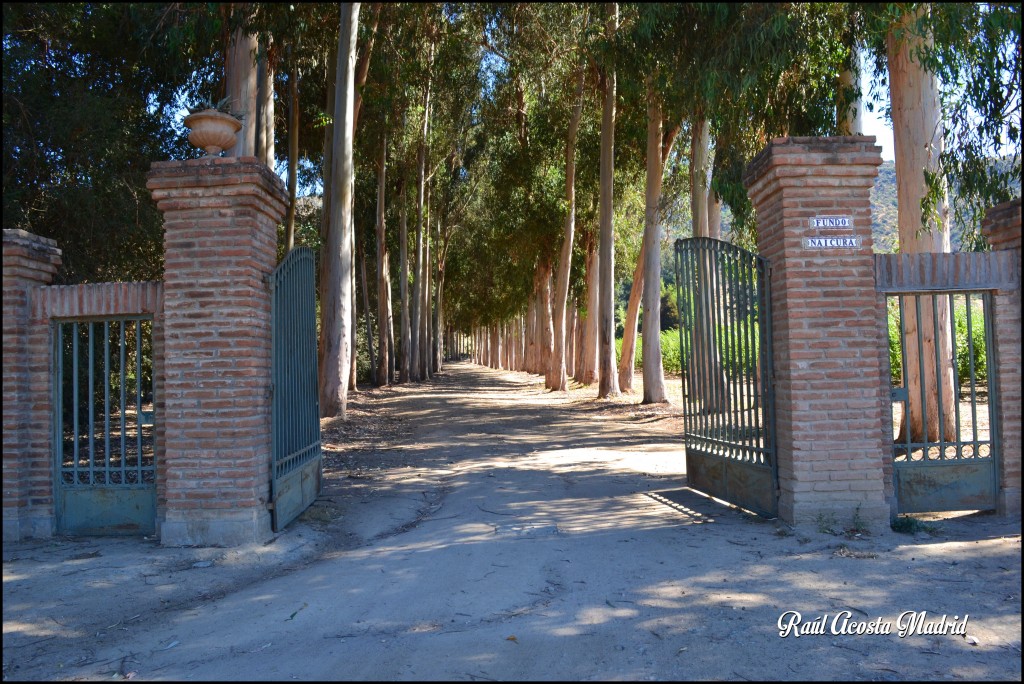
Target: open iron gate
<point>726,357</point>
<point>295,403</point>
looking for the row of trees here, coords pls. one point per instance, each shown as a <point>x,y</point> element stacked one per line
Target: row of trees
<point>538,149</point>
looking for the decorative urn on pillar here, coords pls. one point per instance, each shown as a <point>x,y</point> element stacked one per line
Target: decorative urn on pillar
<point>213,128</point>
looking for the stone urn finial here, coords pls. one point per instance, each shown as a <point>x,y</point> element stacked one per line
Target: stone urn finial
<point>212,131</point>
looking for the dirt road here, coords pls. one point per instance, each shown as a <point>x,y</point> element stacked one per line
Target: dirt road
<point>478,528</point>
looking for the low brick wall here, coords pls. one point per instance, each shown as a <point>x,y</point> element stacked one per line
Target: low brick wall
<point>30,305</point>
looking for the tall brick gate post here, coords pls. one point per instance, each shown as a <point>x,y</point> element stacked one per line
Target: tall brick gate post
<point>1001,228</point>
<point>220,243</point>
<point>812,197</point>
<point>29,261</point>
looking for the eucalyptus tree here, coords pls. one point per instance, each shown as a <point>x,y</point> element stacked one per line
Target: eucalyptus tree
<point>337,297</point>
<point>608,381</point>
<point>965,59</point>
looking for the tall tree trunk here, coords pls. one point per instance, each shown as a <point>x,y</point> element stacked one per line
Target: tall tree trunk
<point>849,107</point>
<point>366,311</point>
<point>589,358</point>
<point>705,361</point>
<point>265,107</point>
<point>654,377</point>
<point>918,141</point>
<point>495,361</point>
<point>700,148</point>
<point>338,296</point>
<point>417,290</point>
<point>439,331</point>
<point>425,341</point>
<point>327,270</point>
<point>627,361</point>
<point>240,75</point>
<point>385,362</point>
<point>403,284</point>
<point>293,154</point>
<point>558,374</point>
<point>544,321</point>
<point>714,215</point>
<point>608,380</point>
<point>353,348</point>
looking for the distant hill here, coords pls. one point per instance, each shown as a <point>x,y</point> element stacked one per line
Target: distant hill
<point>883,210</point>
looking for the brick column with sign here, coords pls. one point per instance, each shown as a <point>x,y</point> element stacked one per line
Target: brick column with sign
<point>833,414</point>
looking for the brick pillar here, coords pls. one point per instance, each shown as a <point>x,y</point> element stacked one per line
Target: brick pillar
<point>30,261</point>
<point>220,243</point>
<point>1001,228</point>
<point>833,409</point>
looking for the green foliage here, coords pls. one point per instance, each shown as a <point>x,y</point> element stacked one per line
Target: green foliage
<point>968,351</point>
<point>669,351</point>
<point>895,344</point>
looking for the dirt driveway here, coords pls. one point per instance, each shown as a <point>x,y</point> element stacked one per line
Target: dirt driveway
<point>478,528</point>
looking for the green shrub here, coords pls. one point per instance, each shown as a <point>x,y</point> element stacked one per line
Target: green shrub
<point>963,349</point>
<point>669,351</point>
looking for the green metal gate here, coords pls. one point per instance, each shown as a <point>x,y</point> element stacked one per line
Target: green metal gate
<point>104,426</point>
<point>726,359</point>
<point>945,436</point>
<point>295,403</point>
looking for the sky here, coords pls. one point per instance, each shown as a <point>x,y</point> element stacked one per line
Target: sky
<point>876,125</point>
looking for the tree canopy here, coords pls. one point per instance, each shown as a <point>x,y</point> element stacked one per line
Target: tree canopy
<point>94,93</point>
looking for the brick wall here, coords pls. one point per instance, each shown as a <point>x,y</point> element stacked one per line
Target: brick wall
<point>833,416</point>
<point>29,261</point>
<point>1002,229</point>
<point>220,241</point>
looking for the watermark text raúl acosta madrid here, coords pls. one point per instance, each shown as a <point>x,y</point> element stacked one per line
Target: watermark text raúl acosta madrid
<point>908,623</point>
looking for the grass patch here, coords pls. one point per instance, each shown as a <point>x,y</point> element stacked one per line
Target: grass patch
<point>907,525</point>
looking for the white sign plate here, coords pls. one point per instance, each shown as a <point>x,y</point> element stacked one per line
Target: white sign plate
<point>831,222</point>
<point>832,242</point>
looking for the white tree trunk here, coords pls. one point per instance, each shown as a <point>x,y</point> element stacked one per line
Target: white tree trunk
<point>383,272</point>
<point>403,287</point>
<point>714,215</point>
<point>700,148</point>
<point>558,375</point>
<point>416,368</point>
<point>918,142</point>
<point>547,333</point>
<point>849,106</point>
<point>705,362</point>
<point>589,357</point>
<point>608,379</point>
<point>265,106</point>
<point>627,361</point>
<point>240,76</point>
<point>654,377</point>
<point>337,298</point>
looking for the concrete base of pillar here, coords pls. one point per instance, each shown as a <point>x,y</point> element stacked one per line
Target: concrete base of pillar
<point>816,516</point>
<point>1008,503</point>
<point>215,528</point>
<point>19,526</point>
